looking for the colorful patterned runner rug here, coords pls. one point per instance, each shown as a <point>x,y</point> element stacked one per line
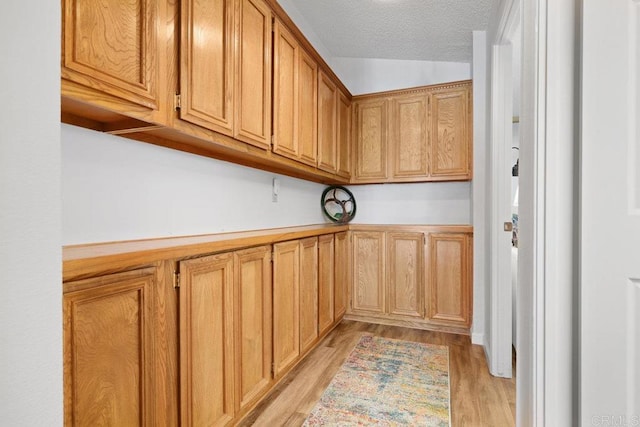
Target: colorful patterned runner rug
<point>387,382</point>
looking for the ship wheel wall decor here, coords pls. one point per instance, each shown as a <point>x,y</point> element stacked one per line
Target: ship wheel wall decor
<point>338,204</point>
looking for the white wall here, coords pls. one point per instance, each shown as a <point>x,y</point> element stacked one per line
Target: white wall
<point>419,203</point>
<point>117,189</point>
<point>481,189</point>
<point>30,255</point>
<point>366,75</point>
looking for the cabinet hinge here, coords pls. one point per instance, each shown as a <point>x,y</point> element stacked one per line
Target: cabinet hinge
<point>178,102</point>
<point>176,279</point>
<point>424,239</point>
<point>273,139</point>
<point>271,256</point>
<point>273,369</point>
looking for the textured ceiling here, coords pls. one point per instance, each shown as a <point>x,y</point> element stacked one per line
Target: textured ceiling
<point>428,30</point>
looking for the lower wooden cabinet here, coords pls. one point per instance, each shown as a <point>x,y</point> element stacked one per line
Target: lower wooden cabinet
<point>405,283</point>
<point>326,281</point>
<point>225,335</point>
<point>253,325</point>
<point>108,350</point>
<point>286,305</point>
<point>342,274</point>
<point>396,281</point>
<point>206,341</point>
<point>368,288</point>
<point>308,293</point>
<point>209,344</point>
<point>449,284</point>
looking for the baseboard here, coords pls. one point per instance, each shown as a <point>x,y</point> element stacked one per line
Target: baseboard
<point>477,338</point>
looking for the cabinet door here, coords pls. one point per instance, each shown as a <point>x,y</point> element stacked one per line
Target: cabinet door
<point>253,74</point>
<point>307,109</point>
<point>368,295</point>
<point>111,46</point>
<point>371,141</point>
<point>206,64</point>
<point>408,137</point>
<point>206,341</point>
<point>344,136</point>
<point>405,260</point>
<point>451,134</point>
<point>286,298</point>
<point>342,274</point>
<point>285,92</point>
<point>252,323</point>
<point>308,292</point>
<point>449,288</point>
<point>108,365</point>
<point>327,124</point>
<point>326,282</point>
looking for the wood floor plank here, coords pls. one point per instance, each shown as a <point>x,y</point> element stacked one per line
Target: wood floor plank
<point>477,398</point>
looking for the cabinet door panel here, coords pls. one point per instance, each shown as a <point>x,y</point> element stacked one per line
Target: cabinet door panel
<point>342,274</point>
<point>371,141</point>
<point>308,109</point>
<point>327,130</point>
<point>108,366</point>
<point>368,272</point>
<point>111,46</point>
<point>308,292</point>
<point>326,282</point>
<point>286,299</point>
<point>253,74</point>
<point>206,64</point>
<point>344,136</point>
<point>206,340</point>
<point>405,257</point>
<point>450,141</point>
<point>449,279</point>
<point>285,93</point>
<point>408,136</point>
<point>253,331</point>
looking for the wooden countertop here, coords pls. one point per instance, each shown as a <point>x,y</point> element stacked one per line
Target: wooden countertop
<point>80,261</point>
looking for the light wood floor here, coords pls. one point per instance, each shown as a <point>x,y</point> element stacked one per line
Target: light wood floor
<point>477,398</point>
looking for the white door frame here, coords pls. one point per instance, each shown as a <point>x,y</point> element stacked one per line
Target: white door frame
<point>501,114</point>
<point>547,338</point>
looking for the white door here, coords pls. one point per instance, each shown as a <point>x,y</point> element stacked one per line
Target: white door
<point>610,211</point>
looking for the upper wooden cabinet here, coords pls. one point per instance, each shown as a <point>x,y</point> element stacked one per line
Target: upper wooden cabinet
<point>327,124</point>
<point>253,73</point>
<point>451,133</point>
<point>207,63</point>
<point>409,147</point>
<point>112,46</point>
<point>344,135</point>
<point>419,134</point>
<point>225,68</point>
<point>371,127</point>
<point>295,99</point>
